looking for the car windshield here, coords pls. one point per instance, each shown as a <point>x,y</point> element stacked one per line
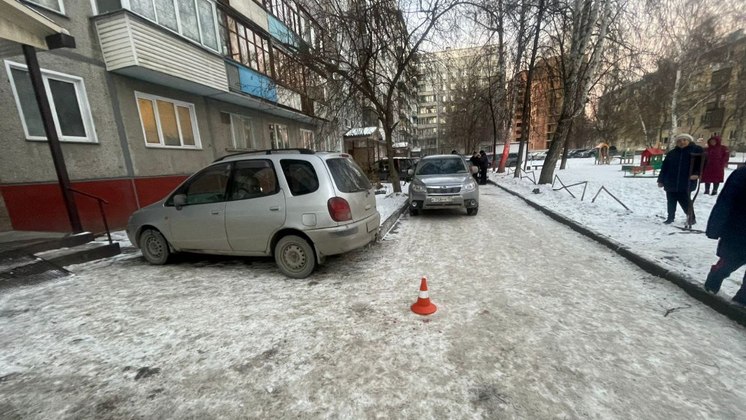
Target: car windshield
<point>441,166</point>
<point>348,176</point>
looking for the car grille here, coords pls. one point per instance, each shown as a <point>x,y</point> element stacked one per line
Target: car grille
<point>444,190</point>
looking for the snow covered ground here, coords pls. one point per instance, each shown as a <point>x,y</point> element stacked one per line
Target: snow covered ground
<point>525,328</point>
<point>641,228</point>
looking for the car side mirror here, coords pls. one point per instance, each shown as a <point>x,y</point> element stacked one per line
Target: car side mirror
<point>180,201</point>
<point>410,172</point>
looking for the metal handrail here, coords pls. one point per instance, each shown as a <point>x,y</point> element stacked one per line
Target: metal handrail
<point>101,203</point>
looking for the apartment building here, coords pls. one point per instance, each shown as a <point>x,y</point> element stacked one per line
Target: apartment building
<point>442,77</point>
<point>153,91</point>
<point>546,105</point>
<point>712,99</point>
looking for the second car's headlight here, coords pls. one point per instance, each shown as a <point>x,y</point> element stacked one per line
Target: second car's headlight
<point>469,186</point>
<point>419,188</point>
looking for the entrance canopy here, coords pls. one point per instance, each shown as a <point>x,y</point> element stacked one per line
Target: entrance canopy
<point>20,24</point>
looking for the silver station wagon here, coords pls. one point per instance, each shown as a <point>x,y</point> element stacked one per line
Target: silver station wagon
<point>296,205</point>
<point>443,181</point>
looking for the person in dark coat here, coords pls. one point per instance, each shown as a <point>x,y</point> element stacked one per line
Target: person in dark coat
<point>475,161</point>
<point>717,159</point>
<point>728,224</point>
<point>484,163</point>
<point>674,176</point>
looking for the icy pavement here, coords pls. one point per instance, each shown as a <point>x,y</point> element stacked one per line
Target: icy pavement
<point>534,321</point>
<point>641,228</point>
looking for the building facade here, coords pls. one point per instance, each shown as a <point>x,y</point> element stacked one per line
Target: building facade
<point>153,91</point>
<point>711,100</point>
<point>546,105</point>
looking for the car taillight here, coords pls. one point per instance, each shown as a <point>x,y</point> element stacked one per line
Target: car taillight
<point>339,209</point>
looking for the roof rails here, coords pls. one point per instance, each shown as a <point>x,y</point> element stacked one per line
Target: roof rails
<point>268,152</point>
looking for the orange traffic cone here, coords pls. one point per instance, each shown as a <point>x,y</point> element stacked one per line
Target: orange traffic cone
<point>423,306</point>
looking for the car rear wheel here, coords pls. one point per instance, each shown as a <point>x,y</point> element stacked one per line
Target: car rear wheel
<point>414,212</point>
<point>295,257</point>
<point>472,211</point>
<point>154,247</point>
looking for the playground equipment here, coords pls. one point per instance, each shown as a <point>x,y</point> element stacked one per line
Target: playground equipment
<point>650,161</point>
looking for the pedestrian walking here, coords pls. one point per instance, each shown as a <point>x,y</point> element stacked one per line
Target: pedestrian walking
<point>484,163</point>
<point>475,162</point>
<point>678,176</point>
<point>716,161</point>
<point>728,224</point>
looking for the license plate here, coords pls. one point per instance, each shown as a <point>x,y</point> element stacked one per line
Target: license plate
<point>441,199</point>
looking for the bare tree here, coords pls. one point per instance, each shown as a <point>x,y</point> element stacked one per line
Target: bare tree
<point>586,22</point>
<point>686,30</point>
<point>372,45</point>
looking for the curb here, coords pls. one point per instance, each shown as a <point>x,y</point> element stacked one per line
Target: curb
<point>391,220</point>
<point>694,289</point>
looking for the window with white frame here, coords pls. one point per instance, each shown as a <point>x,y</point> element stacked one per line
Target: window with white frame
<point>194,19</point>
<point>67,100</point>
<point>306,139</point>
<point>55,5</point>
<point>167,122</point>
<point>243,134</point>
<point>278,136</point>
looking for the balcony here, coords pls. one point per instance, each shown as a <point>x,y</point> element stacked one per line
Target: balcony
<point>135,47</point>
<point>252,89</point>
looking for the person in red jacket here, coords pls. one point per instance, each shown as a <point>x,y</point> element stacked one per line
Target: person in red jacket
<point>715,163</point>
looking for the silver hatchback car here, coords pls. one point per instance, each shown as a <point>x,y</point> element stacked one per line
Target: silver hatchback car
<point>296,205</point>
<point>443,181</point>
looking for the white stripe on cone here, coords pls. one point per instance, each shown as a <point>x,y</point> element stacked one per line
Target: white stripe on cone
<point>423,294</point>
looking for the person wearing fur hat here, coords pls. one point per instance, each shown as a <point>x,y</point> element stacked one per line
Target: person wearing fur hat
<point>675,177</point>
<point>716,156</point>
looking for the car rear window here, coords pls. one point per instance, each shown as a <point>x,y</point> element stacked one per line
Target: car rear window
<point>347,175</point>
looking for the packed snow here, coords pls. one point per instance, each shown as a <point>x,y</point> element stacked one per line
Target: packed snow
<point>526,327</point>
<point>641,227</point>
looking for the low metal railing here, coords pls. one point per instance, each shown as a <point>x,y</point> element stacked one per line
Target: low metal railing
<point>101,203</point>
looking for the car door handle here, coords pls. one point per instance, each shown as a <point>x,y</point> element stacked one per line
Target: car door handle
<point>368,207</point>
<point>274,208</point>
<point>215,212</point>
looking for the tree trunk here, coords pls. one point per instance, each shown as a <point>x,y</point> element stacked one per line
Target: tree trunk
<point>388,131</point>
<point>526,111</point>
<point>565,150</point>
<point>674,114</point>
<point>547,171</point>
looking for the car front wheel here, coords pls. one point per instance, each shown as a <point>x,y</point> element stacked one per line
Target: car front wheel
<point>295,257</point>
<point>154,247</point>
<point>472,211</point>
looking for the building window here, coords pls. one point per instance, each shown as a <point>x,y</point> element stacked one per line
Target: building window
<point>193,19</point>
<point>289,72</point>
<point>67,99</point>
<point>243,135</point>
<point>55,5</point>
<point>278,136</point>
<point>244,45</point>
<point>306,139</point>
<point>167,122</point>
<point>286,11</point>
